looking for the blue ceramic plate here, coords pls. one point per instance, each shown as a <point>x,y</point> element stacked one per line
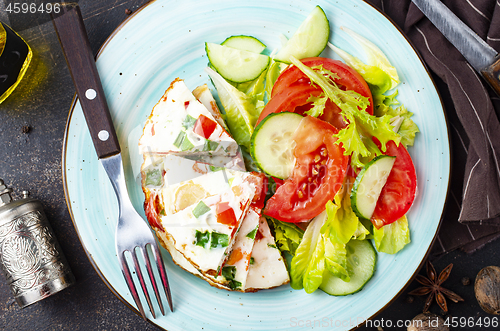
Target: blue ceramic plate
<point>165,40</point>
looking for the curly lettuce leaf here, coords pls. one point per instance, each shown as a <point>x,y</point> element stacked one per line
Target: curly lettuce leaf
<point>240,110</point>
<point>383,103</point>
<point>287,235</point>
<point>318,107</point>
<point>408,128</point>
<point>357,137</point>
<point>391,238</point>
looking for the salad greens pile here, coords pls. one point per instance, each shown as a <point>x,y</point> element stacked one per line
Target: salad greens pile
<point>323,247</point>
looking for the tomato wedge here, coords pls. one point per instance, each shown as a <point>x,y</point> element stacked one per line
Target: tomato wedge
<point>293,88</point>
<point>319,172</point>
<point>398,194</point>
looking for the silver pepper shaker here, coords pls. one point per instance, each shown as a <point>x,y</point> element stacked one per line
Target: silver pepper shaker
<point>30,256</point>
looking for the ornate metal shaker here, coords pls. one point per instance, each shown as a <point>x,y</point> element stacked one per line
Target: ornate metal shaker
<point>30,255</point>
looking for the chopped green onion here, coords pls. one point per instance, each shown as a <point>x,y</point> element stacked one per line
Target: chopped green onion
<point>153,177</point>
<point>202,238</point>
<point>219,240</point>
<point>200,209</point>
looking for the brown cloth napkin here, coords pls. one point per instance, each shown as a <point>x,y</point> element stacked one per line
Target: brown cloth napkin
<point>472,213</point>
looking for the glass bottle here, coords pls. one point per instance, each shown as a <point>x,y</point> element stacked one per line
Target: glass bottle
<point>15,56</point>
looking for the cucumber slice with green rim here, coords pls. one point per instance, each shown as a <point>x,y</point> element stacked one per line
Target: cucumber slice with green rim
<point>236,65</point>
<point>361,261</point>
<point>245,43</point>
<point>309,40</point>
<point>272,144</point>
<point>369,184</point>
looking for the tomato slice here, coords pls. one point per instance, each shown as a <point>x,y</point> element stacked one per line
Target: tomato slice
<point>398,194</point>
<point>153,208</point>
<point>295,100</point>
<point>319,172</point>
<point>349,79</point>
<point>292,89</point>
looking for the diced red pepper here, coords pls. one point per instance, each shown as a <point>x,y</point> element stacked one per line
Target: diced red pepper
<point>236,255</point>
<point>225,214</point>
<point>204,126</point>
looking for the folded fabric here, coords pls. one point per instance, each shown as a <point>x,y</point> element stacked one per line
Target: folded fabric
<point>472,213</point>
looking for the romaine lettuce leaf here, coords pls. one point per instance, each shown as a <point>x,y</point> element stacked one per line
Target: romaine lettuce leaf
<point>299,265</point>
<point>342,223</point>
<point>316,255</point>
<point>391,238</point>
<point>361,232</point>
<point>313,276</point>
<point>272,74</point>
<point>336,259</point>
<point>287,235</point>
<point>240,110</point>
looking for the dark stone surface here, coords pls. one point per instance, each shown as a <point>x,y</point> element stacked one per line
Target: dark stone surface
<point>32,124</point>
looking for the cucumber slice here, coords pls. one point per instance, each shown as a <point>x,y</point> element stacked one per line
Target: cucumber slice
<point>309,40</point>
<point>369,184</point>
<point>236,65</point>
<point>245,43</point>
<point>361,261</point>
<point>272,144</point>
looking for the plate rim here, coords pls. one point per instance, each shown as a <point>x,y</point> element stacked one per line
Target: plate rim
<point>135,310</point>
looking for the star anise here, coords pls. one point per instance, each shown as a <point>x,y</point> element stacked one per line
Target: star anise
<point>433,287</point>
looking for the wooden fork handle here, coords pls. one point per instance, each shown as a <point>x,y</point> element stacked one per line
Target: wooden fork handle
<point>70,30</point>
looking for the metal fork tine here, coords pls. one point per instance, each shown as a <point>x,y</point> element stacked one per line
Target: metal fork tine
<point>142,282</point>
<point>163,275</point>
<point>152,279</point>
<point>130,284</point>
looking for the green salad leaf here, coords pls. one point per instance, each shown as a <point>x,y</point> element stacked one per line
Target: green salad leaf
<point>287,235</point>
<point>375,57</point>
<point>318,105</point>
<point>240,110</point>
<point>323,247</point>
<point>391,238</point>
<point>342,223</point>
<point>313,275</point>
<point>336,259</point>
<point>272,74</point>
<point>378,80</point>
<point>305,251</point>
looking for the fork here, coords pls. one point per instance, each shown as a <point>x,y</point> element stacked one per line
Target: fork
<point>132,232</point>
